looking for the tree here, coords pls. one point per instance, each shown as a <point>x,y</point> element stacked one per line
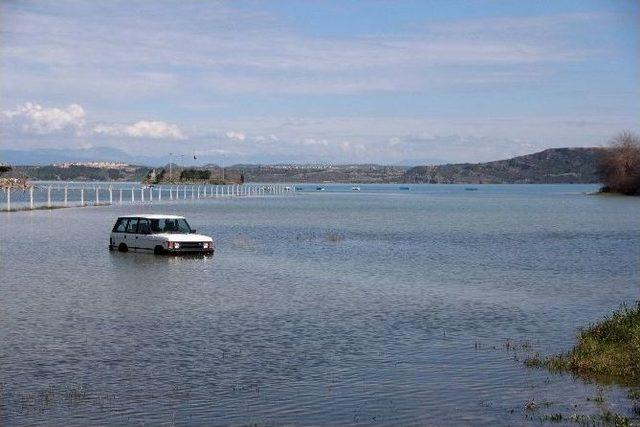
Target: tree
<point>619,166</point>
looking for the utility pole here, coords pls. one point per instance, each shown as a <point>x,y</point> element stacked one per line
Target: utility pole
<point>170,161</point>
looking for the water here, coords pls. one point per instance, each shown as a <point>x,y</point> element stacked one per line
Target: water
<point>376,307</point>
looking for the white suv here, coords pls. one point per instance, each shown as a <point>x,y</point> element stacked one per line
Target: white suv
<point>160,234</point>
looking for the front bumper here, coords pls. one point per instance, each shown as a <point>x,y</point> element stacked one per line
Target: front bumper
<point>189,251</point>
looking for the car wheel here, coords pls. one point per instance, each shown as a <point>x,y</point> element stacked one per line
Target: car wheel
<point>158,250</point>
<point>122,247</point>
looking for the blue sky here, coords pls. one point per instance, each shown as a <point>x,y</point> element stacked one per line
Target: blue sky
<point>341,82</point>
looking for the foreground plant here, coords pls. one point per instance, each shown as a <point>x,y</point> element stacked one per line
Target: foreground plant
<point>609,349</point>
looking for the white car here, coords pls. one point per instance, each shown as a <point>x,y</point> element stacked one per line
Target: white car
<point>160,234</point>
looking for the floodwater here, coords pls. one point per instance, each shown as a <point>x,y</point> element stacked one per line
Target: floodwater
<point>378,307</point>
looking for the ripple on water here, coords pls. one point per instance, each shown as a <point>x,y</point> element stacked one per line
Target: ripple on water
<point>404,319</point>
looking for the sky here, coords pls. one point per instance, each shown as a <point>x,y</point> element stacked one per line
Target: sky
<point>393,82</point>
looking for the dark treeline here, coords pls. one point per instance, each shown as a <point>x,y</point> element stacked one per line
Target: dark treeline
<point>195,175</point>
<point>619,165</point>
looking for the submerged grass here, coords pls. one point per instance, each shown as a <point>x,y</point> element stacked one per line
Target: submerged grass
<point>609,349</point>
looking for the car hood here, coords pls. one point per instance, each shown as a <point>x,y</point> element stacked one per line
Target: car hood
<point>185,237</point>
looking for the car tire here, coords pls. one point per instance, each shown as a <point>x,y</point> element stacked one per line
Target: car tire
<point>122,247</point>
<point>158,250</point>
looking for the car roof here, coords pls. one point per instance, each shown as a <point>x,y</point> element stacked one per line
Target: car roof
<point>153,216</point>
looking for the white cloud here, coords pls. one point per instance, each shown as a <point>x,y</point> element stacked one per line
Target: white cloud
<point>141,129</point>
<point>313,141</point>
<point>238,136</point>
<point>34,118</point>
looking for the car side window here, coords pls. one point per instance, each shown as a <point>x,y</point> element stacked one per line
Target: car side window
<point>143,226</point>
<point>132,227</point>
<point>121,225</point>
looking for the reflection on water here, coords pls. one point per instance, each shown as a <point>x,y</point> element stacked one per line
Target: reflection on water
<point>403,319</point>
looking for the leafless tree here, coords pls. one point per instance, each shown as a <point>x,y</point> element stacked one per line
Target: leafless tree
<point>619,166</point>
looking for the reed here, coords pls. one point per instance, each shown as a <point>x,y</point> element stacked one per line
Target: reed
<point>609,349</point>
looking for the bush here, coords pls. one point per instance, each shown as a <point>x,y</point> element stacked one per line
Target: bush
<point>609,349</point>
<point>619,167</point>
<point>194,175</point>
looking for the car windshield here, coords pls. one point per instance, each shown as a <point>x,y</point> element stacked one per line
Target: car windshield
<point>170,225</point>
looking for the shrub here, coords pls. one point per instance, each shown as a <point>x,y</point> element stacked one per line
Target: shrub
<point>619,166</point>
<point>194,175</point>
<point>609,349</point>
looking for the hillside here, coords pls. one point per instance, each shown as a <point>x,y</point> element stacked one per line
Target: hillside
<point>79,173</point>
<point>555,165</point>
<point>322,173</point>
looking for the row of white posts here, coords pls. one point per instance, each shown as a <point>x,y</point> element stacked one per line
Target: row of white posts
<point>146,194</point>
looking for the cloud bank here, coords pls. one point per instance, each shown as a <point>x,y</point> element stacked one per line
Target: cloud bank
<point>32,118</point>
<point>141,129</point>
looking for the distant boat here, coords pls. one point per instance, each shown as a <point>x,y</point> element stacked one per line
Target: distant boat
<point>355,188</point>
<point>319,188</point>
<point>405,188</point>
<point>471,189</point>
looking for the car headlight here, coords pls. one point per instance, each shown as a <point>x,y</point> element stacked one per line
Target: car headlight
<point>176,245</point>
<point>205,245</point>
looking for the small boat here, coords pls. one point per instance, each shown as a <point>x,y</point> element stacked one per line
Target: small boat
<point>404,188</point>
<point>355,188</point>
<point>319,188</point>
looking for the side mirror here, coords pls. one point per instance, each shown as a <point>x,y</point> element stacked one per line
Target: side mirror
<point>193,231</point>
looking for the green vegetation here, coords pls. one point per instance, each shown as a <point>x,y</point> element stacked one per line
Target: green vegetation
<point>79,173</point>
<point>208,174</point>
<point>195,175</point>
<point>608,350</point>
<point>619,166</point>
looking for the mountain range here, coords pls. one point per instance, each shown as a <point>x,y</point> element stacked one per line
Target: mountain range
<point>555,165</point>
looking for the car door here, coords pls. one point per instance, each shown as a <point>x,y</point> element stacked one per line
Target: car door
<point>130,236</point>
<point>144,237</point>
<point>118,232</point>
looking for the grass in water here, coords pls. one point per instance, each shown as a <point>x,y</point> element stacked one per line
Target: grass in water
<point>609,349</point>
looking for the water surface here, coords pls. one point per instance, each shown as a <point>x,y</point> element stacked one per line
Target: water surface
<point>337,307</point>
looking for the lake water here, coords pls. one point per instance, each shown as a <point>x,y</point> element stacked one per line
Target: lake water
<point>379,307</point>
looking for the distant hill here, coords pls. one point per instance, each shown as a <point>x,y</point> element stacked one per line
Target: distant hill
<point>79,173</point>
<point>322,173</point>
<point>555,165</point>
